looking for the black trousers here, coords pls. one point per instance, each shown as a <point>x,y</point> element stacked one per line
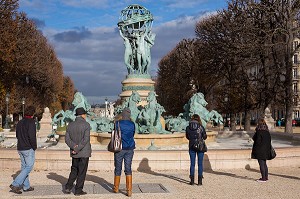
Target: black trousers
<point>78,172</point>
<point>263,169</point>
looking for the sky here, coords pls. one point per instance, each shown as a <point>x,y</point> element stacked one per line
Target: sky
<point>86,40</point>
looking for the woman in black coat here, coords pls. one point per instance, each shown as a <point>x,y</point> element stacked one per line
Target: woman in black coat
<point>261,149</point>
<point>195,131</point>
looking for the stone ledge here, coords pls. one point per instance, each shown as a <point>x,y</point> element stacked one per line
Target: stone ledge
<point>156,160</point>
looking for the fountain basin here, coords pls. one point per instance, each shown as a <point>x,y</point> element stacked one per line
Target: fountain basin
<point>144,140</point>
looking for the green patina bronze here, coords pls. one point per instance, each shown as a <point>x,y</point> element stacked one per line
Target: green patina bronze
<point>196,105</point>
<point>135,23</point>
<point>98,124</point>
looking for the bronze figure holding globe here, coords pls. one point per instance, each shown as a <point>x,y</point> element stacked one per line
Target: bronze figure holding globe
<point>135,28</point>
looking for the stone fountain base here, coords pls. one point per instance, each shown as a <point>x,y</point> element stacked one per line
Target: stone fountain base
<point>144,140</point>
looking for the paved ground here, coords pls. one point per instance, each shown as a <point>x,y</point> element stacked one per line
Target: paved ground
<point>240,183</point>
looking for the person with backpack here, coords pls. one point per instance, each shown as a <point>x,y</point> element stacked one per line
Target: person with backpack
<point>195,131</point>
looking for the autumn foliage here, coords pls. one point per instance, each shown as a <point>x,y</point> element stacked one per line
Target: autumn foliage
<point>29,66</point>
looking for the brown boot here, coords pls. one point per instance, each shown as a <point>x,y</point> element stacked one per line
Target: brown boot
<point>116,184</point>
<point>129,185</point>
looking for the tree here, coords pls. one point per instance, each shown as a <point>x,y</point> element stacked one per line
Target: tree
<point>29,65</point>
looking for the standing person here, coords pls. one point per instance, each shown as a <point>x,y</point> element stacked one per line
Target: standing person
<point>26,146</point>
<point>192,134</point>
<point>279,123</point>
<point>261,149</point>
<point>294,123</point>
<point>127,128</point>
<point>78,139</point>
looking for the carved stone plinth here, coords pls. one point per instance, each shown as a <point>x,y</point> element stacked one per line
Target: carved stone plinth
<point>142,85</point>
<point>45,124</point>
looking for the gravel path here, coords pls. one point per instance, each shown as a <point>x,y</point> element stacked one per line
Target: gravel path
<point>239,183</point>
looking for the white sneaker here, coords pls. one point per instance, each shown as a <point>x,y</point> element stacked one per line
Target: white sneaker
<point>261,180</point>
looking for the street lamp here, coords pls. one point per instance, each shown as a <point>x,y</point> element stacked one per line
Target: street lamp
<point>226,109</point>
<point>106,103</point>
<point>6,126</point>
<point>23,105</point>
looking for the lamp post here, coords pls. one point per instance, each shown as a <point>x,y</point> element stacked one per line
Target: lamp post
<point>23,105</point>
<point>6,126</point>
<point>106,103</point>
<point>226,109</point>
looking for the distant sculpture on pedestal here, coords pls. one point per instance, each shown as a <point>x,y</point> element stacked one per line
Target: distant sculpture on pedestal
<point>45,124</point>
<point>269,120</point>
<point>135,28</point>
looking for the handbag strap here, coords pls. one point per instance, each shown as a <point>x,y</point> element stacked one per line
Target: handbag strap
<point>119,127</point>
<point>119,130</point>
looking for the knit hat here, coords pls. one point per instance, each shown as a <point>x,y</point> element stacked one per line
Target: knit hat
<point>126,114</point>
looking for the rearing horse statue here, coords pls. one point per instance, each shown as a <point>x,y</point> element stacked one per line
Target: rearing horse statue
<point>196,105</point>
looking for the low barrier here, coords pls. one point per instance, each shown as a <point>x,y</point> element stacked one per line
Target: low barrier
<point>144,160</point>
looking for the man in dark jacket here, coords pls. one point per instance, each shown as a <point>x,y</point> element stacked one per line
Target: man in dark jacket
<point>26,135</point>
<point>78,139</point>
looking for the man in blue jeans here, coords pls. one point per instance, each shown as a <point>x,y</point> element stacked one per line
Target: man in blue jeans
<point>26,146</point>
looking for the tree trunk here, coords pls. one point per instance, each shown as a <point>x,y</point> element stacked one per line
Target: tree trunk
<point>232,122</point>
<point>289,78</point>
<point>247,121</point>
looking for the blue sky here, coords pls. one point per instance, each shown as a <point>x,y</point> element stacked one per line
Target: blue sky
<point>85,37</point>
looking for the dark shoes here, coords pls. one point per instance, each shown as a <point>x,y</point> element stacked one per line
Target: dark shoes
<point>80,193</point>
<point>192,182</point>
<point>14,189</point>
<point>200,180</point>
<point>67,191</point>
<point>30,189</point>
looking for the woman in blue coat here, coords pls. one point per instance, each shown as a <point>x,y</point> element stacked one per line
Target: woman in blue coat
<point>261,149</point>
<point>127,128</point>
<point>195,126</point>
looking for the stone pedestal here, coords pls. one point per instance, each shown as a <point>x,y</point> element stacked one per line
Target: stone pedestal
<point>143,85</point>
<point>45,124</point>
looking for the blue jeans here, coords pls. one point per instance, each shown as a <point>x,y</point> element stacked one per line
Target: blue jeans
<point>127,156</point>
<point>27,161</point>
<point>193,161</point>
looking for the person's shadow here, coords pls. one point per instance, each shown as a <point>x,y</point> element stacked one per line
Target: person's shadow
<point>16,174</point>
<point>247,167</point>
<point>101,181</point>
<point>58,178</point>
<point>63,180</point>
<point>208,169</point>
<point>145,168</point>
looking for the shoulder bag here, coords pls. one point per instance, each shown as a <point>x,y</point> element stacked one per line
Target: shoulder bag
<point>273,153</point>
<point>115,144</point>
<point>199,145</point>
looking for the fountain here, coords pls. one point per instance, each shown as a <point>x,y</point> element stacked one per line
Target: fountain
<point>163,138</point>
<point>135,24</point>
